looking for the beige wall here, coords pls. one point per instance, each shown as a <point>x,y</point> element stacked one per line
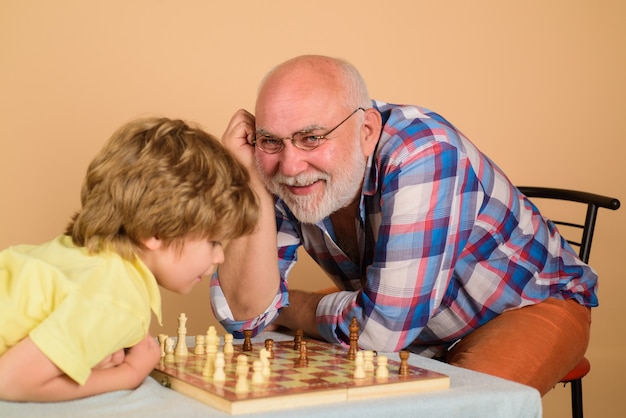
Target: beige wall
<point>538,85</point>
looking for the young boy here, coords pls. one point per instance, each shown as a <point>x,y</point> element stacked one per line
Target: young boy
<point>157,202</point>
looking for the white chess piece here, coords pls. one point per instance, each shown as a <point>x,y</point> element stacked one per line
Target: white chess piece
<point>368,361</point>
<point>162,339</point>
<point>169,349</point>
<point>382,372</point>
<point>241,372</point>
<point>219,376</point>
<point>199,347</point>
<point>359,370</point>
<point>181,343</point>
<point>228,344</point>
<point>264,356</point>
<point>257,374</point>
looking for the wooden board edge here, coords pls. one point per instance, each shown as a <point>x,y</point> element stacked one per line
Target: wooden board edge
<point>399,388</point>
<point>289,401</point>
<point>192,391</point>
<point>246,406</point>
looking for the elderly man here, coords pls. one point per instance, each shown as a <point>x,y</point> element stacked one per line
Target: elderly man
<point>429,244</point>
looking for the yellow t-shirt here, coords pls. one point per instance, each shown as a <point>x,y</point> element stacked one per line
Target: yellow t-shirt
<point>76,307</point>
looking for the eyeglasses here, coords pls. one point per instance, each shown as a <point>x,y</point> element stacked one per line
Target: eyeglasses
<point>301,140</point>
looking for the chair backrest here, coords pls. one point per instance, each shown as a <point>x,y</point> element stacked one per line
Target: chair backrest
<point>593,202</point>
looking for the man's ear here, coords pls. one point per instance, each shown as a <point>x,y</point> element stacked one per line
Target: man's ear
<point>370,131</point>
<point>153,243</point>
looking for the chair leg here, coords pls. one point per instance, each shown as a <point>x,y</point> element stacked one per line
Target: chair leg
<point>577,398</point>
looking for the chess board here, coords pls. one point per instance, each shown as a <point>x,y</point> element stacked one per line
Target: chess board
<point>327,377</point>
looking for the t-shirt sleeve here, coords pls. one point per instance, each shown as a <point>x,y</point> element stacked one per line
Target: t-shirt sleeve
<point>83,330</point>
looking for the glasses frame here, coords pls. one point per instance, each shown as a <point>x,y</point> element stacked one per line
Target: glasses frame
<point>320,138</point>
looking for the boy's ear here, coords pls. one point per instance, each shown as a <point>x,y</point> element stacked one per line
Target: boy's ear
<point>152,243</point>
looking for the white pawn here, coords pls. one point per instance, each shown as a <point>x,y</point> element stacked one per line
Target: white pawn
<point>264,356</point>
<point>242,374</point>
<point>241,366</point>
<point>219,376</point>
<point>359,370</point>
<point>381,370</point>
<point>228,344</point>
<point>368,361</point>
<point>257,374</point>
<point>169,349</point>
<point>199,348</point>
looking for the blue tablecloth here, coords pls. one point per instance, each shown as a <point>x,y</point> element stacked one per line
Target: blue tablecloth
<point>470,394</point>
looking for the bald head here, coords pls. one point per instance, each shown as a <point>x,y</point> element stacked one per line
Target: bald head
<point>314,78</point>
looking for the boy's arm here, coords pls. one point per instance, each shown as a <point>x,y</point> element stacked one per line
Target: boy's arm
<point>26,374</point>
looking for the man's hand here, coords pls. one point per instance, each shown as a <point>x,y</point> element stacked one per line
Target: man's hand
<point>301,312</point>
<point>239,137</point>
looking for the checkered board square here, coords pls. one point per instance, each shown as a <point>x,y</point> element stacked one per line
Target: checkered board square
<point>327,377</point>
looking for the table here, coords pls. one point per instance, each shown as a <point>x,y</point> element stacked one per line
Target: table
<point>471,394</point>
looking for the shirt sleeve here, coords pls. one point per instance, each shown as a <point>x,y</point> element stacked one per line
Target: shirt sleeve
<point>76,337</point>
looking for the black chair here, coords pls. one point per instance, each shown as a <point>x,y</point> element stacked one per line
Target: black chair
<point>593,203</point>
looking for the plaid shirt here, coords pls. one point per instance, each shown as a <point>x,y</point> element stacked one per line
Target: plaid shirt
<point>446,242</point>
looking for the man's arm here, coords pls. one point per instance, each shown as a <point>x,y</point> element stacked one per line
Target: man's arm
<point>249,276</point>
<point>301,312</point>
<point>26,374</point>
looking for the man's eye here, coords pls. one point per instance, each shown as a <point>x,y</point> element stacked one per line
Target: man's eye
<point>310,139</point>
<point>272,142</point>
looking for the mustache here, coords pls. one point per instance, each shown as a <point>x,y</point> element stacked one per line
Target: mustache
<point>302,179</point>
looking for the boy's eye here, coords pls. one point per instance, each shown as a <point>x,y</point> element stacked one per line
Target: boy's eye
<point>216,243</point>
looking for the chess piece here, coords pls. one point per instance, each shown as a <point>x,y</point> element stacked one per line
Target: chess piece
<point>181,344</point>
<point>199,347</point>
<point>257,374</point>
<point>264,356</point>
<point>242,360</point>
<point>219,375</point>
<point>303,360</point>
<point>247,340</point>
<point>368,361</point>
<point>269,346</point>
<point>404,363</point>
<point>242,382</point>
<point>162,338</point>
<point>297,339</point>
<point>241,373</point>
<point>209,366</point>
<point>228,344</point>
<point>359,370</point>
<point>354,338</point>
<point>169,350</point>
<point>212,341</point>
<point>382,372</point>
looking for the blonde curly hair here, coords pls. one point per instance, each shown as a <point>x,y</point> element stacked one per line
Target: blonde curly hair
<point>158,177</point>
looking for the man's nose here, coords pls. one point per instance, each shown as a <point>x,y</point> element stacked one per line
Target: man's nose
<point>292,161</point>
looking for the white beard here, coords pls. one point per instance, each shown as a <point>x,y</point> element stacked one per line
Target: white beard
<point>341,187</point>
